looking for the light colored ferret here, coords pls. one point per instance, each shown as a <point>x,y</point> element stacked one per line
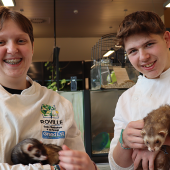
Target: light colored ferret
<point>30,151</point>
<point>155,130</point>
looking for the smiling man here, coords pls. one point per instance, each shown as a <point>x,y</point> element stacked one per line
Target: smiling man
<point>149,53</point>
<point>146,41</point>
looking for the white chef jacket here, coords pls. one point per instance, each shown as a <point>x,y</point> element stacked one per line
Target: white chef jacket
<point>36,113</point>
<point>135,103</point>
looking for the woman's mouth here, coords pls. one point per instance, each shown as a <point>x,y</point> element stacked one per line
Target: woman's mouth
<point>13,61</point>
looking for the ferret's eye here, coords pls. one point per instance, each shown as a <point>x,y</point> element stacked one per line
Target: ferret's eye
<point>157,141</point>
<point>38,153</point>
<point>147,142</point>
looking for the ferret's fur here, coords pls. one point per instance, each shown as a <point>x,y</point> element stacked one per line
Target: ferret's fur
<point>30,151</point>
<point>156,128</point>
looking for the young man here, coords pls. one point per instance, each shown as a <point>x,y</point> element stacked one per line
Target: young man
<point>23,102</point>
<point>147,43</point>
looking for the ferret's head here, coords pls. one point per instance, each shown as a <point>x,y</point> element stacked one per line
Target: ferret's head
<point>154,138</point>
<point>34,149</point>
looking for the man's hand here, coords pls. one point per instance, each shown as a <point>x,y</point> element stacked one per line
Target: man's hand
<point>132,137</point>
<point>146,156</point>
<point>75,160</point>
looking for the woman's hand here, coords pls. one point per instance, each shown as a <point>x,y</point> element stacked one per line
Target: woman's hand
<point>132,137</point>
<point>52,168</point>
<point>147,158</point>
<point>75,160</point>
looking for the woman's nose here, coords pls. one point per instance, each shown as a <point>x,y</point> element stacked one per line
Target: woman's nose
<point>12,48</point>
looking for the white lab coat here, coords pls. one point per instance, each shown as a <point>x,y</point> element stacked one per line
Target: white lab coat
<point>38,113</point>
<point>135,103</point>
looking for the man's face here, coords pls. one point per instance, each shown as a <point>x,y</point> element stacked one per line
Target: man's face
<point>149,54</point>
<point>15,52</point>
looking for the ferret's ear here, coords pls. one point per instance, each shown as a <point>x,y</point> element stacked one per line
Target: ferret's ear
<point>163,133</point>
<point>143,132</point>
<point>29,147</point>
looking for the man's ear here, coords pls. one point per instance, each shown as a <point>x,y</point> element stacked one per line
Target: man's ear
<point>166,37</point>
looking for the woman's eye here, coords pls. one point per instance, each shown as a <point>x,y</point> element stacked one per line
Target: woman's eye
<point>21,41</point>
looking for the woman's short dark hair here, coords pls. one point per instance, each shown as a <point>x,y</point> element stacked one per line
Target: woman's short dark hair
<point>140,22</point>
<point>23,22</point>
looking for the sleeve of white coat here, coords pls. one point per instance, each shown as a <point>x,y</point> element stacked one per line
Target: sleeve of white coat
<point>73,139</point>
<point>5,166</point>
<point>120,123</point>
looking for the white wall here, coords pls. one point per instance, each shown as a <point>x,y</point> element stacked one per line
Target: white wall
<point>71,49</point>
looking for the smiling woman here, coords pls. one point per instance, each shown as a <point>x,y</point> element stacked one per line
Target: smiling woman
<point>25,104</point>
<point>16,55</point>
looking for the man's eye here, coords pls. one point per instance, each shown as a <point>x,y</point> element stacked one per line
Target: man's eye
<point>148,45</point>
<point>2,42</point>
<point>132,51</point>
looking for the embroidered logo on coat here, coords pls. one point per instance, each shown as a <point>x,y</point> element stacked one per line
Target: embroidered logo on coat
<point>51,124</point>
<point>49,111</point>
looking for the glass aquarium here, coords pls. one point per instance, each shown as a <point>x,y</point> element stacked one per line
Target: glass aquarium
<point>108,76</point>
<point>103,104</point>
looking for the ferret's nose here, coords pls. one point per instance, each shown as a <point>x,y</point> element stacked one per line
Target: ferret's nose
<point>152,149</point>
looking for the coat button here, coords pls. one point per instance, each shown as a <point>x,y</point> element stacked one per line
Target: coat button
<point>135,97</point>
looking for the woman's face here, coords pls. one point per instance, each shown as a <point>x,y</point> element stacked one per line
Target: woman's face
<point>16,53</point>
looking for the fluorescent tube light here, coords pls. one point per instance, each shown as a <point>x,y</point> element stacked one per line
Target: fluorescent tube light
<point>8,3</point>
<point>118,46</point>
<point>109,52</point>
<point>167,4</point>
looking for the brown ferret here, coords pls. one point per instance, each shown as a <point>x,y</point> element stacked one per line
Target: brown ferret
<point>156,128</point>
<point>30,151</point>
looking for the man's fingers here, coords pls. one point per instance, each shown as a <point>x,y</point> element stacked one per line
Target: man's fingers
<point>145,164</point>
<point>136,124</point>
<point>137,162</point>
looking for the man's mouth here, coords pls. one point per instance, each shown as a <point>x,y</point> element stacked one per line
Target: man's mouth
<point>149,65</point>
<point>13,61</point>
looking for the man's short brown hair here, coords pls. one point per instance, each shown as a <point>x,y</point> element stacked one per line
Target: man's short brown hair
<point>23,22</point>
<point>140,22</point>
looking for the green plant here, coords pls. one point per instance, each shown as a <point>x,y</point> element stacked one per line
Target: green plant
<point>52,84</point>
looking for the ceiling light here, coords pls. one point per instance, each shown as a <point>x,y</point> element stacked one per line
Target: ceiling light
<point>109,52</point>
<point>118,46</point>
<point>8,3</point>
<point>167,4</point>
<point>76,11</point>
